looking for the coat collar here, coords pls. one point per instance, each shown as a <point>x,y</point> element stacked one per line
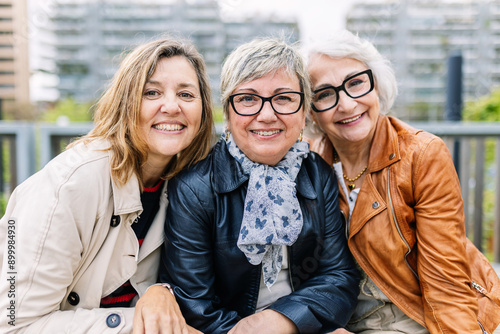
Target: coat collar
<point>127,197</point>
<point>231,176</point>
<point>384,150</point>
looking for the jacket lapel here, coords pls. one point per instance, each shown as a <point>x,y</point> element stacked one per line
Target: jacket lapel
<point>383,153</point>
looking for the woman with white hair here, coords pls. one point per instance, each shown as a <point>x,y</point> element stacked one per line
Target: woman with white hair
<point>400,197</point>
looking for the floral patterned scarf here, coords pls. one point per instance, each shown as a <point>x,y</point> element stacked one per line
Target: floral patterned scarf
<point>272,216</point>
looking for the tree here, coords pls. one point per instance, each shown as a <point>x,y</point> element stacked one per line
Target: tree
<point>486,108</point>
<point>74,111</point>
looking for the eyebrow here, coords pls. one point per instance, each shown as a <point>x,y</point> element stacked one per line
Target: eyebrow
<point>181,85</point>
<point>275,91</point>
<point>348,75</point>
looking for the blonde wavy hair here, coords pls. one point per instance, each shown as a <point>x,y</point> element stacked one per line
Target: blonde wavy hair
<point>116,116</point>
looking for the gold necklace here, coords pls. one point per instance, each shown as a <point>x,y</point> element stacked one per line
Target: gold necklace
<point>351,186</point>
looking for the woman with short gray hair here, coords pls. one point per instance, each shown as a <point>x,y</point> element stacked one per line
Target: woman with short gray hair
<point>255,241</point>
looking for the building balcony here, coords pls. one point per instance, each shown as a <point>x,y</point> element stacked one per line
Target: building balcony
<point>7,92</point>
<point>71,12</point>
<point>6,12</point>
<point>6,66</point>
<point>7,79</point>
<point>68,41</point>
<point>7,53</point>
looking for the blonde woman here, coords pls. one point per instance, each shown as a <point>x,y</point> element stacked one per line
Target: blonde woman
<point>88,227</point>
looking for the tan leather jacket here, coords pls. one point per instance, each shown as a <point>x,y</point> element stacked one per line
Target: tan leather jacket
<point>407,232</point>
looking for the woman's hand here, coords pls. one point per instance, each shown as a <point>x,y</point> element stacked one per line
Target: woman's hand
<point>157,312</point>
<point>265,322</point>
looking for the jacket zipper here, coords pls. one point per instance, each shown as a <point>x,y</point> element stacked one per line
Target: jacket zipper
<point>482,328</point>
<point>478,288</point>
<point>482,291</point>
<point>397,224</point>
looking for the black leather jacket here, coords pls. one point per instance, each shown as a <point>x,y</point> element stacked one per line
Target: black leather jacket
<point>214,283</point>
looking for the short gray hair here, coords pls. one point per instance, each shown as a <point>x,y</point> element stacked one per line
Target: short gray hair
<point>258,58</point>
<point>345,44</point>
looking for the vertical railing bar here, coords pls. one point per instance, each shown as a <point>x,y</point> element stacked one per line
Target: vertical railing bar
<point>13,162</point>
<point>496,227</point>
<point>464,179</point>
<point>478,194</point>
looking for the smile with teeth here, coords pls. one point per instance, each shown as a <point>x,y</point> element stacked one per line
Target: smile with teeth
<point>349,120</point>
<point>266,133</point>
<point>169,127</point>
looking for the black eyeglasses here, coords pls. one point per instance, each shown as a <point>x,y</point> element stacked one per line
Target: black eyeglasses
<point>249,104</point>
<point>355,86</point>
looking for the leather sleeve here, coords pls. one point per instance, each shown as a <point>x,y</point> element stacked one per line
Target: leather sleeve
<point>450,304</point>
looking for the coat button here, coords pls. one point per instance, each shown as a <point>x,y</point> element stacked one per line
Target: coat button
<point>113,320</point>
<point>73,298</point>
<point>392,156</point>
<point>375,205</point>
<point>115,221</point>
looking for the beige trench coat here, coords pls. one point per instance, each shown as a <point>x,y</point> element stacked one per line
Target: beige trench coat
<point>65,255</point>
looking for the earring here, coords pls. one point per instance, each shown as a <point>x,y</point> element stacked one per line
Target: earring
<point>227,134</point>
<point>301,136</point>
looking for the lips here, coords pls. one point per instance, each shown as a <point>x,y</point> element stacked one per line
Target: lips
<point>349,120</point>
<point>266,133</point>
<point>168,127</point>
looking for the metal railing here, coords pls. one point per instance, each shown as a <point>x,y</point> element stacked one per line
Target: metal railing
<point>27,147</point>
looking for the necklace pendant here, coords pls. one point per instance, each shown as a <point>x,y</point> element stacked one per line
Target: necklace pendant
<point>351,186</point>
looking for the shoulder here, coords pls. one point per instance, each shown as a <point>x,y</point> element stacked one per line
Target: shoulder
<point>198,172</point>
<point>409,133</point>
<point>415,142</point>
<point>82,164</point>
<point>315,177</point>
<point>316,166</point>
<point>196,180</point>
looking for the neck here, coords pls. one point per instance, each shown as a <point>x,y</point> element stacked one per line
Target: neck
<point>354,156</point>
<point>152,173</point>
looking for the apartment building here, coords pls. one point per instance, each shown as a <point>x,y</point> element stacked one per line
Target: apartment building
<point>419,36</point>
<point>80,47</point>
<point>14,69</point>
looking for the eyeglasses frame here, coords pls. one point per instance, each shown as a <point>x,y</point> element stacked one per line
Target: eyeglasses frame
<point>267,99</point>
<point>340,88</point>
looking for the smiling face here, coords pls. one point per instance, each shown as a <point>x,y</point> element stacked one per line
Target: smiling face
<point>171,109</point>
<point>351,120</point>
<point>267,136</point>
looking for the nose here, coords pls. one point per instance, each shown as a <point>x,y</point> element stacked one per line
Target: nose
<point>170,104</point>
<point>267,113</point>
<point>346,103</point>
